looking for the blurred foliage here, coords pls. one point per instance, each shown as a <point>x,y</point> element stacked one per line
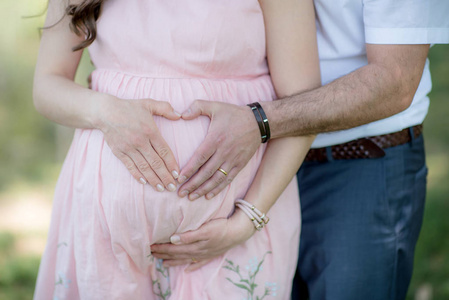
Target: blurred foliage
<point>24,137</point>
<point>17,272</point>
<point>31,147</point>
<point>28,141</point>
<point>432,251</point>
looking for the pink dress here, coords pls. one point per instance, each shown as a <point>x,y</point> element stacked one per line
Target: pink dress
<point>104,221</point>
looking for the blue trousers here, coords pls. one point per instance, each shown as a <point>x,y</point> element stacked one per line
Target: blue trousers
<point>360,222</point>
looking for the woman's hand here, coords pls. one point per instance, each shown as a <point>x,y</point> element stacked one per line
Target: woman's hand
<point>128,125</point>
<point>132,135</point>
<point>212,239</point>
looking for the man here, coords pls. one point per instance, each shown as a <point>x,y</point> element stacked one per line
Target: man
<point>362,187</point>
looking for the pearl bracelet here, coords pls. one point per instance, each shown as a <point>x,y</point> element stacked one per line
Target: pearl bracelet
<point>258,218</point>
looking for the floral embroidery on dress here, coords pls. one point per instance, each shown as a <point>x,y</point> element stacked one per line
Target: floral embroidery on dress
<point>248,283</point>
<point>161,285</point>
<point>273,287</point>
<point>62,244</point>
<point>63,280</point>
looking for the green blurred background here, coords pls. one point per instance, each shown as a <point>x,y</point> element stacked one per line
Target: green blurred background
<point>32,150</point>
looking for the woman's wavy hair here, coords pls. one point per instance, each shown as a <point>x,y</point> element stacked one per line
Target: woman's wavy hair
<point>84,20</point>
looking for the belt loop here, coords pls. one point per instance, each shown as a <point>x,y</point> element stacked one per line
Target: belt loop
<point>329,153</point>
<point>412,135</point>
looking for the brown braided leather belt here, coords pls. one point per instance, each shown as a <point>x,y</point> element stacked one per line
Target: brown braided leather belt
<point>369,147</point>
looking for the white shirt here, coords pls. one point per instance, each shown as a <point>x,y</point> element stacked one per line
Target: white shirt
<point>344,26</point>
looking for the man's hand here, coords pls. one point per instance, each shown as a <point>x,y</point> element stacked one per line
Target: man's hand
<point>232,139</point>
<point>212,239</point>
<point>132,135</point>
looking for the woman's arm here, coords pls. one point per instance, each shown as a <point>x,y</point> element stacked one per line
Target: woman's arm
<point>127,125</point>
<point>293,60</point>
<point>294,67</point>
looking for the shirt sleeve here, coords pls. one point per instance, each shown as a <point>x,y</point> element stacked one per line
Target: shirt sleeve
<point>406,21</point>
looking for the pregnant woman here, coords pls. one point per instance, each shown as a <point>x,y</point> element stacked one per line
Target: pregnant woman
<point>116,194</point>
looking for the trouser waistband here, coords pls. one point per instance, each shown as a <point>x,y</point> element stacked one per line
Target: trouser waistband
<point>369,147</point>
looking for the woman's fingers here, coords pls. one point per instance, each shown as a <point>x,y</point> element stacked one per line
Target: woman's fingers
<point>191,237</point>
<point>176,262</point>
<point>164,152</point>
<point>167,251</point>
<point>132,134</point>
<point>153,164</point>
<point>184,245</point>
<point>196,265</point>
<point>200,246</point>
<point>205,242</point>
<point>161,147</point>
<point>164,109</point>
<point>144,168</point>
<point>130,165</point>
<point>199,108</point>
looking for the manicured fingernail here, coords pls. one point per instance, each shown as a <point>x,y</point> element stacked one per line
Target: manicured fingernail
<point>175,239</point>
<point>177,113</point>
<point>194,196</point>
<point>183,193</point>
<point>175,174</point>
<point>171,187</point>
<point>210,196</point>
<point>142,180</point>
<point>188,111</point>
<point>182,179</point>
<point>160,188</point>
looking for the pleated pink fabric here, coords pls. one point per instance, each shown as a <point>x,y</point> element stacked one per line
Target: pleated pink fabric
<point>104,222</point>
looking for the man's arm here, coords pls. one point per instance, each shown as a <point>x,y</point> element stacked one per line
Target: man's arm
<point>382,88</point>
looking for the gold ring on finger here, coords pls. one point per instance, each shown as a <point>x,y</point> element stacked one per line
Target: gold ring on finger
<point>194,260</point>
<point>223,171</point>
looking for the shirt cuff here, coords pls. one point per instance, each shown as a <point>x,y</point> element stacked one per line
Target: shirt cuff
<point>406,35</point>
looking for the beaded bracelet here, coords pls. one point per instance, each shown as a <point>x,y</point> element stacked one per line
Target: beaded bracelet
<point>258,218</point>
<point>262,121</point>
